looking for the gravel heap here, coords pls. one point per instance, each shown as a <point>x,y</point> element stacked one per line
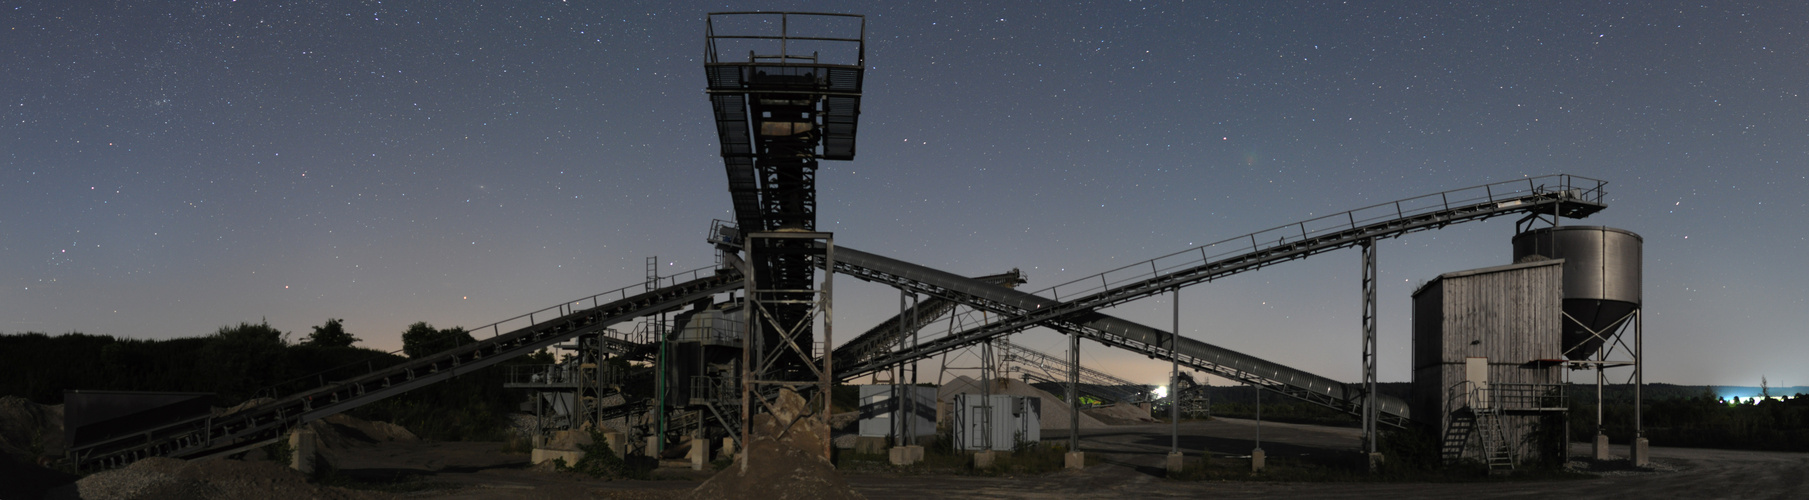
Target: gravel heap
<point>167,478</point>
<point>785,460</point>
<point>30,431</point>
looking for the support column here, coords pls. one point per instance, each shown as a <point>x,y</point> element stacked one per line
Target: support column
<point>1369,352</point>
<point>1257,457</point>
<point>1640,444</point>
<point>1175,458</point>
<point>1075,459</point>
<point>790,361</point>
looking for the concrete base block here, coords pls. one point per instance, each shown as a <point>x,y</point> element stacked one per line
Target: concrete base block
<point>540,455</point>
<point>728,447</point>
<point>1601,447</point>
<point>1641,454</point>
<point>1176,462</point>
<point>869,445</point>
<point>906,455</point>
<point>699,454</point>
<point>1258,460</point>
<point>1376,460</point>
<point>301,450</point>
<point>983,459</point>
<point>653,447</point>
<point>1075,460</point>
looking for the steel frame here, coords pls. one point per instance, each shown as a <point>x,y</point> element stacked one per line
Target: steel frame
<point>762,365</point>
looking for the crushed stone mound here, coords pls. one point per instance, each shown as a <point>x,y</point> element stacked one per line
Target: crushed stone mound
<point>569,440</point>
<point>167,478</point>
<point>341,431</point>
<point>785,460</point>
<point>30,431</point>
<point>1121,414</point>
<point>31,438</point>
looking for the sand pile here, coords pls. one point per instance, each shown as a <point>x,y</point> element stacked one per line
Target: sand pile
<point>166,478</point>
<point>1055,411</point>
<point>785,460</point>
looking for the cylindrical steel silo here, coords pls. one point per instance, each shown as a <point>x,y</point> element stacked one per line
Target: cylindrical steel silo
<point>1601,278</point>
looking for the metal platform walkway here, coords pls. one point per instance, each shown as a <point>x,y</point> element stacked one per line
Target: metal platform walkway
<point>1072,307</point>
<point>212,436</point>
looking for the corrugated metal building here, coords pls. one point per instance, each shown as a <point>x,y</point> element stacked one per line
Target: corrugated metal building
<point>1485,342</point>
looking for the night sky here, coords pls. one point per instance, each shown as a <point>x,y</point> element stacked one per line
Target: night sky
<point>169,168</point>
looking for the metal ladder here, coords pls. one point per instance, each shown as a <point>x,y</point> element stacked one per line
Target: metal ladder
<point>1497,453</point>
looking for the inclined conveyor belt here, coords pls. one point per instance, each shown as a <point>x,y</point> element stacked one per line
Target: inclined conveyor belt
<point>212,436</point>
<point>1072,307</point>
<point>1110,331</point>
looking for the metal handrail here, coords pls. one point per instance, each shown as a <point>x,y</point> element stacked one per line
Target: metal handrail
<point>533,318</point>
<point>713,54</point>
<point>1560,185</point>
<point>1509,193</point>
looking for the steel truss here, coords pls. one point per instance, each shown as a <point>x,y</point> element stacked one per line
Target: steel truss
<point>1561,195</point>
<point>773,339</point>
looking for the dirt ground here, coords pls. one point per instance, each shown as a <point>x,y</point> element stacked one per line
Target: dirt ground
<point>1130,465</point>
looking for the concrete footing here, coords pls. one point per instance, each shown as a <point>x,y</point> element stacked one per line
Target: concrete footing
<point>653,447</point>
<point>1601,447</point>
<point>728,447</point>
<point>699,454</point>
<point>905,455</point>
<point>983,459</point>
<point>1176,462</point>
<point>1075,460</point>
<point>301,450</point>
<point>1258,460</point>
<point>1376,460</point>
<point>1641,454</point>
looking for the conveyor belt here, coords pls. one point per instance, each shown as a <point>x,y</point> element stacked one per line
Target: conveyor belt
<point>262,424</point>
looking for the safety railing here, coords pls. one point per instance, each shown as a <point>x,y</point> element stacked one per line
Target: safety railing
<point>1505,397</point>
<point>382,361</point>
<point>1559,186</point>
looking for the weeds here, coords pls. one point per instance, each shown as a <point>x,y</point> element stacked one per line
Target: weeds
<point>602,463</point>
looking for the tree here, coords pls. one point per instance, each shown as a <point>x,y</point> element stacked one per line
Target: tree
<point>421,339</point>
<point>331,334</point>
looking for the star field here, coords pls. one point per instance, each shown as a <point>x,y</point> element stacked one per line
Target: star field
<point>171,167</point>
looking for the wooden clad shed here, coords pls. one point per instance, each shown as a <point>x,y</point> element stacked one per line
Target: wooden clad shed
<point>1497,327</point>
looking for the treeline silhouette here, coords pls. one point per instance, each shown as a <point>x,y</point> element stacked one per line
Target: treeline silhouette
<point>254,360</point>
<point>1694,416</point>
<point>1675,415</point>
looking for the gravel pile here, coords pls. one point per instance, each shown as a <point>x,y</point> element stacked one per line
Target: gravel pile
<point>166,478</point>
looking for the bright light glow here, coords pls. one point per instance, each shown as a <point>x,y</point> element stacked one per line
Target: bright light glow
<point>1160,392</point>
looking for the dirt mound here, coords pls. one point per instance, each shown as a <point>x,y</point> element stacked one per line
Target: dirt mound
<point>785,460</point>
<point>165,478</point>
<point>1055,411</point>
